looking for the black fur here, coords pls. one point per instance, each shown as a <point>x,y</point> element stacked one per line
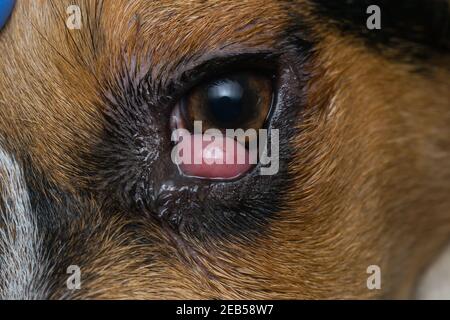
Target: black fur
<point>416,28</point>
<point>132,166</point>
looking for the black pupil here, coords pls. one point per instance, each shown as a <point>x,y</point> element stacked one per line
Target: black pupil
<point>228,100</point>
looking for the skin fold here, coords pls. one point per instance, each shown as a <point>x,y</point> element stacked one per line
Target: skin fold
<point>364,175</point>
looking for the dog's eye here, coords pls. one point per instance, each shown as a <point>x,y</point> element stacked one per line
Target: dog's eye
<point>237,101</point>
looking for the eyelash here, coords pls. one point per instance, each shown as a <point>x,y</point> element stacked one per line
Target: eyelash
<point>182,84</point>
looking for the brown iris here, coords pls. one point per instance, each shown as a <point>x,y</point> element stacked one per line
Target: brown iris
<point>237,101</point>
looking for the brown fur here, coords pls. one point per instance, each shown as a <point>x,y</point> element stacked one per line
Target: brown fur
<point>372,162</point>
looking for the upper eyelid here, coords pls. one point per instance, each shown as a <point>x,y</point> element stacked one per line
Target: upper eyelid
<point>227,63</point>
<point>185,78</point>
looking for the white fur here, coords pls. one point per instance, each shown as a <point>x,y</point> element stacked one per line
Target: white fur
<point>435,283</point>
<point>21,262</point>
<point>23,267</point>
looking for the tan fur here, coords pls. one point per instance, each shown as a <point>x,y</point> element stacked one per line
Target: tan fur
<point>372,166</point>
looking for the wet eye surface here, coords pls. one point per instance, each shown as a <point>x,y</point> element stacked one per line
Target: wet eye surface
<point>223,186</point>
<point>229,104</point>
<point>240,100</point>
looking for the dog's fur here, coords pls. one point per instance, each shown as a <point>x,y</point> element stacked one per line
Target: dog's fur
<point>365,159</point>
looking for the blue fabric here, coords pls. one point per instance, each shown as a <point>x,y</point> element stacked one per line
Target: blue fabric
<point>6,7</point>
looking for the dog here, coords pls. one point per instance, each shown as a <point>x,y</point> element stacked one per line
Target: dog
<point>88,187</point>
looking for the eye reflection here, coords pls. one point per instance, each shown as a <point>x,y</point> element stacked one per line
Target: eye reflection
<point>237,101</point>
<point>240,102</point>
<point>225,101</point>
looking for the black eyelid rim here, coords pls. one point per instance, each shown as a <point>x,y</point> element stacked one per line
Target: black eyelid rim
<point>211,67</point>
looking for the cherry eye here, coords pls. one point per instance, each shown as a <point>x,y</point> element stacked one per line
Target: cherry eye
<point>236,101</point>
